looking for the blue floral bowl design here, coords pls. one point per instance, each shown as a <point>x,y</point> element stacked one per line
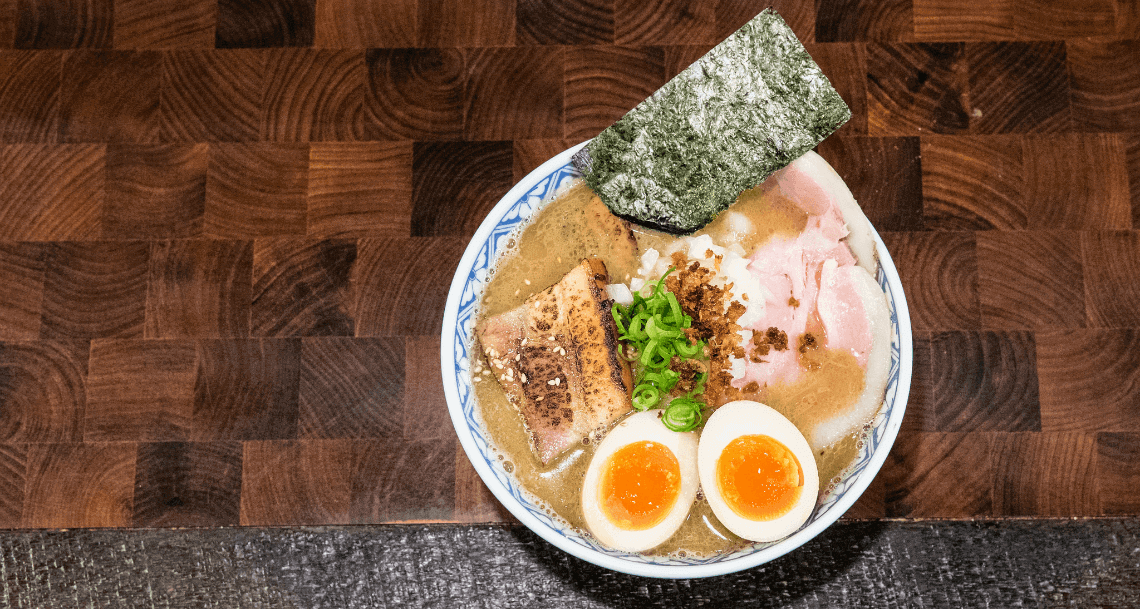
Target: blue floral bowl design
<point>512,211</point>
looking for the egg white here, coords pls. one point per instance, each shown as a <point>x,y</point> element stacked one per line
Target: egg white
<point>640,427</point>
<point>742,418</point>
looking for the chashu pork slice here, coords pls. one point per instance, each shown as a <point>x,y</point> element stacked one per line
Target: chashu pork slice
<point>556,358</point>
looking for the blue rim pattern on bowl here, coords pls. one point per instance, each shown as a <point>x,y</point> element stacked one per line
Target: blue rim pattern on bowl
<point>555,177</point>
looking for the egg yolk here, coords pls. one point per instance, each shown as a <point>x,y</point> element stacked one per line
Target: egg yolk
<point>639,485</point>
<point>759,477</point>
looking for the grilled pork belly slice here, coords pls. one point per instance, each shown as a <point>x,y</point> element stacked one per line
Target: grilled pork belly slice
<point>556,358</point>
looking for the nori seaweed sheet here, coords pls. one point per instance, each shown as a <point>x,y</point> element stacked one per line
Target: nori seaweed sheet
<point>750,106</point>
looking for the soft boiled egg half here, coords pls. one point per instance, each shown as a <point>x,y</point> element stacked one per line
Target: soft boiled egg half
<point>640,484</point>
<point>757,471</point>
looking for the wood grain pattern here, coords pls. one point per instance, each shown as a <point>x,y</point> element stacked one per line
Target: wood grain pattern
<point>22,275</point>
<point>51,192</point>
<point>187,484</point>
<point>800,16</point>
<point>529,154</point>
<point>1060,197</point>
<point>359,190</point>
<point>95,290</point>
<point>939,272</point>
<point>165,24</point>
<point>315,487</point>
<point>29,92</point>
<point>365,24</point>
<point>212,95</point>
<point>1053,20</point>
<point>352,388</point>
<point>920,412</point>
<point>1047,474</point>
<point>1132,162</point>
<point>140,390</point>
<point>845,65</point>
<point>314,95</point>
<point>65,24</point>
<point>473,501</point>
<point>665,22</point>
<point>265,23</point>
<point>603,83</point>
<point>402,295</point>
<point>84,485</point>
<point>382,492</point>
<point>984,381</point>
<point>415,93</point>
<point>939,474</point>
<point>302,288</point>
<point>1104,76</point>
<point>13,467</point>
<point>1112,261</point>
<point>110,96</point>
<point>456,23</point>
<point>455,184</point>
<point>513,93</point>
<point>884,175</point>
<point>1118,472</point>
<point>43,391</point>
<point>580,22</point>
<point>1089,380</point>
<point>246,389</point>
<point>916,88</point>
<point>199,288</point>
<point>973,183</point>
<point>154,191</point>
<point>853,21</point>
<point>425,410</point>
<point>256,190</point>
<point>960,20</point>
<point>1000,75</point>
<point>1031,279</point>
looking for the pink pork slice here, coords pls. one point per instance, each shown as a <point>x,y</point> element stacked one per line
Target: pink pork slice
<point>556,358</point>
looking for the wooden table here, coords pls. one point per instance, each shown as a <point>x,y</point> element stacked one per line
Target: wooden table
<point>227,231</point>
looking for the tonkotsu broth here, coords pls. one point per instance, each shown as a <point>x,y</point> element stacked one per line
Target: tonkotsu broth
<point>556,238</point>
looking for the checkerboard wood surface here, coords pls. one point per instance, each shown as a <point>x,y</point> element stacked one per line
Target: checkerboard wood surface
<point>227,230</point>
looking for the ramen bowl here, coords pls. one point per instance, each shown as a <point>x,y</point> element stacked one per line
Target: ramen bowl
<point>458,348</point>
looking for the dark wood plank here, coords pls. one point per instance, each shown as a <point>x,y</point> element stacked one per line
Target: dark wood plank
<point>920,412</point>
<point>800,16</point>
<point>1018,87</point>
<point>265,23</point>
<point>296,482</point>
<point>1132,161</point>
<point>13,467</point>
<point>352,388</point>
<point>1046,19</point>
<point>962,20</point>
<point>383,492</point>
<point>43,391</point>
<point>302,287</point>
<point>187,484</point>
<point>455,184</point>
<point>530,154</point>
<point>66,24</point>
<point>246,389</point>
<point>415,94</point>
<point>355,24</point>
<point>212,95</point>
<point>581,22</point>
<point>514,93</point>
<point>884,175</point>
<point>939,271</point>
<point>603,83</point>
<point>140,390</point>
<point>360,189</point>
<point>1061,196</point>
<point>79,485</point>
<point>473,500</point>
<point>95,290</point>
<point>165,24</point>
<point>199,288</point>
<point>916,88</point>
<point>110,96</point>
<point>256,190</point>
<point>29,91</point>
<point>1089,380</point>
<point>1031,279</point>
<point>1104,76</point>
<point>401,295</point>
<point>154,191</point>
<point>985,381</point>
<point>1045,474</point>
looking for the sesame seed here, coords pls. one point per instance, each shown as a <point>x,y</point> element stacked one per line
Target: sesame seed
<point>538,399</point>
<point>522,376</point>
<point>518,357</point>
<point>526,281</point>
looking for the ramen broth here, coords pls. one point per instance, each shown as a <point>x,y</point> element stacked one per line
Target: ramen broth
<point>566,231</point>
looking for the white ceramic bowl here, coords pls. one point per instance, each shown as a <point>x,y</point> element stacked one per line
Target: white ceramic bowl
<point>514,209</point>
